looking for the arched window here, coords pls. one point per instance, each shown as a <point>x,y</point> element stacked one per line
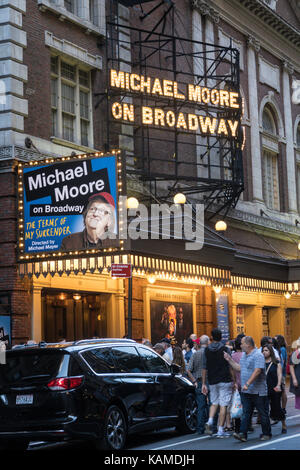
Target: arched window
<point>268,122</point>
<point>270,178</point>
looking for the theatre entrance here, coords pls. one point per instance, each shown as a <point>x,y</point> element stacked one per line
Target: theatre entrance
<point>71,316</point>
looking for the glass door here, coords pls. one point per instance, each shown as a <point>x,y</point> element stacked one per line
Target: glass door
<point>73,316</point>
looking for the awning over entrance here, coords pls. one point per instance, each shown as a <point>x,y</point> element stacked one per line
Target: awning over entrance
<point>218,263</point>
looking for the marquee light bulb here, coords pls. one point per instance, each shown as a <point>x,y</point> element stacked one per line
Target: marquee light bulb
<point>179,198</point>
<point>221,226</point>
<point>132,203</point>
<point>217,289</point>
<point>151,278</point>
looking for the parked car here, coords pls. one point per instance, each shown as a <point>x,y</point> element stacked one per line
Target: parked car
<point>100,390</point>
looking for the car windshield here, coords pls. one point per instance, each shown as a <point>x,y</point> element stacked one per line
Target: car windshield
<point>32,365</point>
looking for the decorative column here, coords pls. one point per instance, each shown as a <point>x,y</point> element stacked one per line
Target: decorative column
<point>253,48</point>
<point>36,314</point>
<point>290,152</point>
<point>194,302</point>
<point>198,68</point>
<point>13,73</point>
<point>146,307</point>
<point>120,316</point>
<point>210,20</point>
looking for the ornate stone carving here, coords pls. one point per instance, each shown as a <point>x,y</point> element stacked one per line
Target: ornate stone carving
<point>205,9</point>
<point>287,66</point>
<point>214,15</point>
<point>252,42</point>
<point>201,6</point>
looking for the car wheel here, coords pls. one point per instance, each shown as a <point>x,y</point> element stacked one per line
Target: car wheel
<point>188,417</point>
<point>115,429</point>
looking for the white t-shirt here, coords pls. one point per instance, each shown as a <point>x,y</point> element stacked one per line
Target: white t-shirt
<point>169,354</point>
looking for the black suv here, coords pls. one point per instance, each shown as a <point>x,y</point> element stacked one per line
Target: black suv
<point>99,390</point>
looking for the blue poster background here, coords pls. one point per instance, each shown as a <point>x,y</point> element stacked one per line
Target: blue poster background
<point>222,316</point>
<point>38,229</point>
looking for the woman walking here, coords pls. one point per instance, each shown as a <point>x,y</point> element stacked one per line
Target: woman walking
<point>274,380</point>
<point>236,356</point>
<point>283,355</point>
<point>295,373</point>
<point>179,359</point>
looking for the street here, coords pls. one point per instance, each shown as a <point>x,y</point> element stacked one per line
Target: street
<point>169,440</point>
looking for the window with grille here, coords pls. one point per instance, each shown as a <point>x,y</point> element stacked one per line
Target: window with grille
<point>270,180</point>
<point>268,122</point>
<point>71,102</point>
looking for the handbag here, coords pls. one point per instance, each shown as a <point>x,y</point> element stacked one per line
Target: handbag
<point>236,410</point>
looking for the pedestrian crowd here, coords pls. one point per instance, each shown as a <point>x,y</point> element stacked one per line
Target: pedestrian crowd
<point>235,380</point>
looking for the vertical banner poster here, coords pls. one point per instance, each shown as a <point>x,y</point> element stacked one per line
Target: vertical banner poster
<point>70,205</point>
<point>222,316</point>
<point>173,320</point>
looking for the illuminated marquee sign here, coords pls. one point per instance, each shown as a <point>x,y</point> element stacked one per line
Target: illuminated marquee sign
<point>163,118</point>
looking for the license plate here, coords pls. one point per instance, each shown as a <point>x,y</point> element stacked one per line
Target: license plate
<point>24,399</point>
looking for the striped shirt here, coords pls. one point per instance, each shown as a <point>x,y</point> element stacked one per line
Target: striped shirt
<point>195,364</point>
<point>248,363</point>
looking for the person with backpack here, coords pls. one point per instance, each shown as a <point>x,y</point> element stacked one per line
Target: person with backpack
<point>220,378</point>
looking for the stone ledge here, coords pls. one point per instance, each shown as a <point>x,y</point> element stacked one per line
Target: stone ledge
<point>72,50</point>
<point>265,222</point>
<point>72,145</point>
<point>16,4</point>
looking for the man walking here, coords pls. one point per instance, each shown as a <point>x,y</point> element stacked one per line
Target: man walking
<point>168,355</point>
<point>254,391</point>
<point>219,375</point>
<point>194,371</point>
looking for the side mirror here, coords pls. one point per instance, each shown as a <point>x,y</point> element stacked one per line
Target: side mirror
<point>175,369</point>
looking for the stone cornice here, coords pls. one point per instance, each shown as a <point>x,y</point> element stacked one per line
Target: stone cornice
<point>265,29</point>
<point>263,222</point>
<point>270,17</point>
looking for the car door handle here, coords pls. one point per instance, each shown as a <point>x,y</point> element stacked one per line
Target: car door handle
<point>150,380</point>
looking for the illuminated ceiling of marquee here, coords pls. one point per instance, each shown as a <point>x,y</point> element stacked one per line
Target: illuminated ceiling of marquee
<point>194,146</point>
